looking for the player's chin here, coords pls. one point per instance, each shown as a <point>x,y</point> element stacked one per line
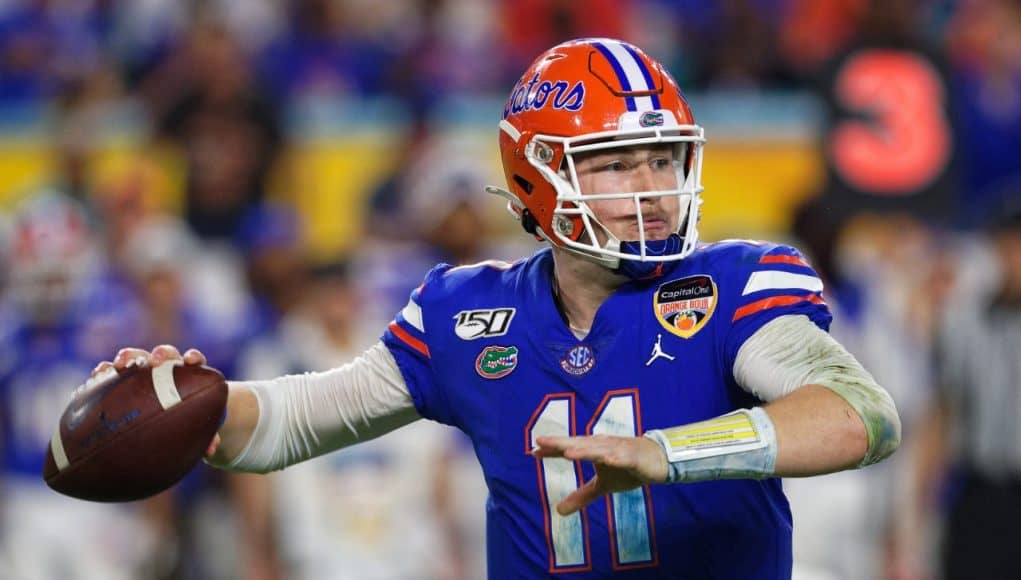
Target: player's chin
<point>655,233</point>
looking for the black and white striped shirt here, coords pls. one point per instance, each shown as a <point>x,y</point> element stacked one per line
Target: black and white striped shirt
<point>978,368</point>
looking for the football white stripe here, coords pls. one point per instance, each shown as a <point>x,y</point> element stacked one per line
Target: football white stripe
<point>633,73</point>
<point>776,279</point>
<point>163,384</point>
<point>412,313</point>
<point>57,447</point>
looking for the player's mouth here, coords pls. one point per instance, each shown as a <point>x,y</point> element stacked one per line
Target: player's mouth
<point>656,227</point>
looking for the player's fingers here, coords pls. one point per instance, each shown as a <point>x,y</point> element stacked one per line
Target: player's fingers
<point>129,357</point>
<point>597,449</point>
<point>163,353</point>
<point>550,446</point>
<point>580,497</point>
<point>550,443</point>
<point>211,450</point>
<point>553,442</point>
<point>102,368</point>
<point>194,356</point>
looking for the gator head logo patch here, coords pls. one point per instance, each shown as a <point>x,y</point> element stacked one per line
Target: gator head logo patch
<point>684,306</point>
<point>651,119</point>
<point>496,361</point>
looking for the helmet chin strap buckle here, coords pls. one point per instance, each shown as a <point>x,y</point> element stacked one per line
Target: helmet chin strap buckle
<point>637,269</point>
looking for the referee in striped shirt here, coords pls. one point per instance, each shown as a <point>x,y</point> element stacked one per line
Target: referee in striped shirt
<point>974,429</point>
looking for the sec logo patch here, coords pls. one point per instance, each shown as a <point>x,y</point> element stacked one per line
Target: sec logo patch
<point>684,306</point>
<point>578,361</point>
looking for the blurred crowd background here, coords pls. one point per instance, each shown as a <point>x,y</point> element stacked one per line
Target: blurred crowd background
<point>267,180</point>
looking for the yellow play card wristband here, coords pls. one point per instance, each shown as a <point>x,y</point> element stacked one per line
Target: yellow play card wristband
<point>741,444</point>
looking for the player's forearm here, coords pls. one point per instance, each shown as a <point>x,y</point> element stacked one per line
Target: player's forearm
<point>789,354</point>
<point>826,413</point>
<point>817,432</point>
<point>290,419</point>
<point>809,432</point>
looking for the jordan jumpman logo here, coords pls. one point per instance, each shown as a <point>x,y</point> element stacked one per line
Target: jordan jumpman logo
<point>657,351</point>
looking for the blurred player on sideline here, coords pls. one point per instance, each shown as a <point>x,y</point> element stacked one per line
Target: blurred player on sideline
<point>61,310</point>
<point>624,357</point>
<point>346,515</point>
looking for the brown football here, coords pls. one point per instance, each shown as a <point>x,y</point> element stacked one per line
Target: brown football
<point>130,435</point>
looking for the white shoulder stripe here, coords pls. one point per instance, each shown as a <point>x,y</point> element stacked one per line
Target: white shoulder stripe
<point>412,313</point>
<point>498,264</point>
<point>776,280</point>
<point>163,384</point>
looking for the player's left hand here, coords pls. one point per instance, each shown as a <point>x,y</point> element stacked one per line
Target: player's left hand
<point>621,463</point>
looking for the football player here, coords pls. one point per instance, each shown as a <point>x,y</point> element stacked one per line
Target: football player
<point>61,311</point>
<point>632,394</point>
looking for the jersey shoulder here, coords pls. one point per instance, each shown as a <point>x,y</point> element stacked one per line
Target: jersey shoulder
<point>462,284</point>
<point>761,278</point>
<point>489,292</point>
<point>739,254</point>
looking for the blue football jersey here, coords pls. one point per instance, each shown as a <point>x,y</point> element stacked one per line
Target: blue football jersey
<point>483,348</point>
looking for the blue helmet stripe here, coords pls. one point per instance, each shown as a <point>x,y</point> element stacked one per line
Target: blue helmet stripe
<point>621,76</point>
<point>645,73</point>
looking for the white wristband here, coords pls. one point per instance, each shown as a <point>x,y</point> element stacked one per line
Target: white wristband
<point>738,445</point>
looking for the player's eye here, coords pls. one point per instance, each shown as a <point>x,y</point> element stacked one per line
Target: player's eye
<point>661,163</point>
<point>614,166</point>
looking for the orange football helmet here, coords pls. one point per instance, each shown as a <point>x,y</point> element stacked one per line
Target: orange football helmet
<point>588,95</point>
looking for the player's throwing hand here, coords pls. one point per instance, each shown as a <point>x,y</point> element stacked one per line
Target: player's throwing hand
<point>129,357</point>
<point>621,463</point>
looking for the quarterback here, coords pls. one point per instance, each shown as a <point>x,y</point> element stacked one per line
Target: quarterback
<point>633,395</point>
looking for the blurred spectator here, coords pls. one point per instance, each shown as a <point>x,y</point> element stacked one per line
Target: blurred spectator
<point>161,257</point>
<point>47,43</point>
<point>749,58</point>
<point>355,510</point>
<point>205,97</point>
<point>448,57</point>
<point>530,26</point>
<point>815,31</point>
<point>881,279</point>
<point>686,35</point>
<point>386,198</point>
<point>325,52</point>
<point>968,461</point>
<point>442,217</point>
<point>271,239</point>
<point>60,315</point>
<point>985,45</point>
<point>164,261</point>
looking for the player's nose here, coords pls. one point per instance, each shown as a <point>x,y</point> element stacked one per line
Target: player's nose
<point>644,179</point>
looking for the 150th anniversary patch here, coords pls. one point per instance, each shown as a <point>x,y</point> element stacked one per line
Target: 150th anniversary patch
<point>685,306</point>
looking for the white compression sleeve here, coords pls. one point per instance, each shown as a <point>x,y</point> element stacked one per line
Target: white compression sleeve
<point>303,416</point>
<point>791,351</point>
